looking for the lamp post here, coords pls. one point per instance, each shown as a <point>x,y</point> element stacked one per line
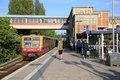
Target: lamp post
<point>113,26</point>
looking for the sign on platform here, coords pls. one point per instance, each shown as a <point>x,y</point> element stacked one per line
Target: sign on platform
<point>86,27</point>
<point>118,27</point>
<point>113,22</point>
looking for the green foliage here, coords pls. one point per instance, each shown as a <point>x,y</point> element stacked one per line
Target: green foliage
<point>43,9</point>
<point>50,33</point>
<point>9,41</point>
<point>26,7</point>
<point>39,9</point>
<point>15,7</point>
<point>4,22</point>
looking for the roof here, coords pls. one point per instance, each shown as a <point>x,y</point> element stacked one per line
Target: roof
<point>101,31</point>
<point>86,14</point>
<point>84,7</point>
<point>34,16</point>
<point>101,11</point>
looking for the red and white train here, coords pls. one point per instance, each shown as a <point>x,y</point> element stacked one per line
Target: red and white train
<point>36,45</point>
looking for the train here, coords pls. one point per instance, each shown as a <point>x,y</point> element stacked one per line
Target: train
<point>35,45</point>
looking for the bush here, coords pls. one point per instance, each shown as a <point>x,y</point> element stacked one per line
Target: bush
<point>9,41</point>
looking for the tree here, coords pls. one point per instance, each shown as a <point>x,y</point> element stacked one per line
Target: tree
<point>14,7</point>
<point>50,33</point>
<point>28,7</point>
<point>43,9</point>
<point>21,7</point>
<point>39,9</point>
<point>9,41</point>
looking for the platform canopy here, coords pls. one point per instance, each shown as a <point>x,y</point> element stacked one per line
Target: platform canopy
<point>101,31</point>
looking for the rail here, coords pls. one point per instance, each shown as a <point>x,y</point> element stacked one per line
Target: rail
<point>10,63</point>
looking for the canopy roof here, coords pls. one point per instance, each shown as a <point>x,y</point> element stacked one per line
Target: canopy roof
<point>101,31</point>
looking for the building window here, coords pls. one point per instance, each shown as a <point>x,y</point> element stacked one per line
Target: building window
<point>18,20</point>
<point>37,20</point>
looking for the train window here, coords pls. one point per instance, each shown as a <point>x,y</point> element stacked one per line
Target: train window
<point>27,44</point>
<point>27,39</point>
<point>36,39</point>
<point>35,45</point>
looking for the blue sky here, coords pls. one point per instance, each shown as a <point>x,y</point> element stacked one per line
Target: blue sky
<point>63,7</point>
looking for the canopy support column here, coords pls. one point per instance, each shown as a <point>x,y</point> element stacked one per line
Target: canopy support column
<point>99,46</point>
<point>102,42</point>
<point>88,38</point>
<point>117,41</point>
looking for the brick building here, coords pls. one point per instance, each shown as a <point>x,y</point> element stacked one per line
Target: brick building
<point>84,18</point>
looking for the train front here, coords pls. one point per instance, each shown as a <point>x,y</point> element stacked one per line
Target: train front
<point>31,46</point>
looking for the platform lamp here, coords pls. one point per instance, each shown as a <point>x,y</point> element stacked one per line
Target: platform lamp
<point>113,26</point>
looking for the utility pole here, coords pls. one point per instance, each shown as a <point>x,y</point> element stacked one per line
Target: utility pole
<point>113,25</point>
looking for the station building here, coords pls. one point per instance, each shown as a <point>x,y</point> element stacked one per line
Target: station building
<point>93,26</point>
<point>82,19</point>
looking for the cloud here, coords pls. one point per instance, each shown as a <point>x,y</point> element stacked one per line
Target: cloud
<point>114,2</point>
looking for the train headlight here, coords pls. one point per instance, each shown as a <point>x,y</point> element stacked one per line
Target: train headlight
<point>24,49</point>
<point>38,49</point>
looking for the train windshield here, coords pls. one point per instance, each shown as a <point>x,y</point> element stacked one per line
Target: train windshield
<point>36,42</point>
<point>36,39</point>
<point>27,39</point>
<point>27,44</point>
<point>32,42</point>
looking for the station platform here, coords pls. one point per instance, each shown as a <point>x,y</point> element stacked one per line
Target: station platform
<point>72,67</point>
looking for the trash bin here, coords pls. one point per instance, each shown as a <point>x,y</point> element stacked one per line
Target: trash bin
<point>109,50</point>
<point>113,59</point>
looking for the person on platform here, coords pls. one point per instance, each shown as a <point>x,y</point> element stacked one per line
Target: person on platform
<point>119,46</point>
<point>85,48</point>
<point>71,45</point>
<point>82,43</point>
<point>60,49</point>
<point>78,46</point>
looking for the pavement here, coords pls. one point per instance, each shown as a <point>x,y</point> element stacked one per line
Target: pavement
<point>74,67</point>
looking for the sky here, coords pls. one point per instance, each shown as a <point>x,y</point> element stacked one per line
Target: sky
<point>63,7</point>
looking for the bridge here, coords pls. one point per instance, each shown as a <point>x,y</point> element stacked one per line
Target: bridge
<point>37,22</point>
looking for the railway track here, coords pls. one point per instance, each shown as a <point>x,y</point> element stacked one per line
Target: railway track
<point>11,66</point>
